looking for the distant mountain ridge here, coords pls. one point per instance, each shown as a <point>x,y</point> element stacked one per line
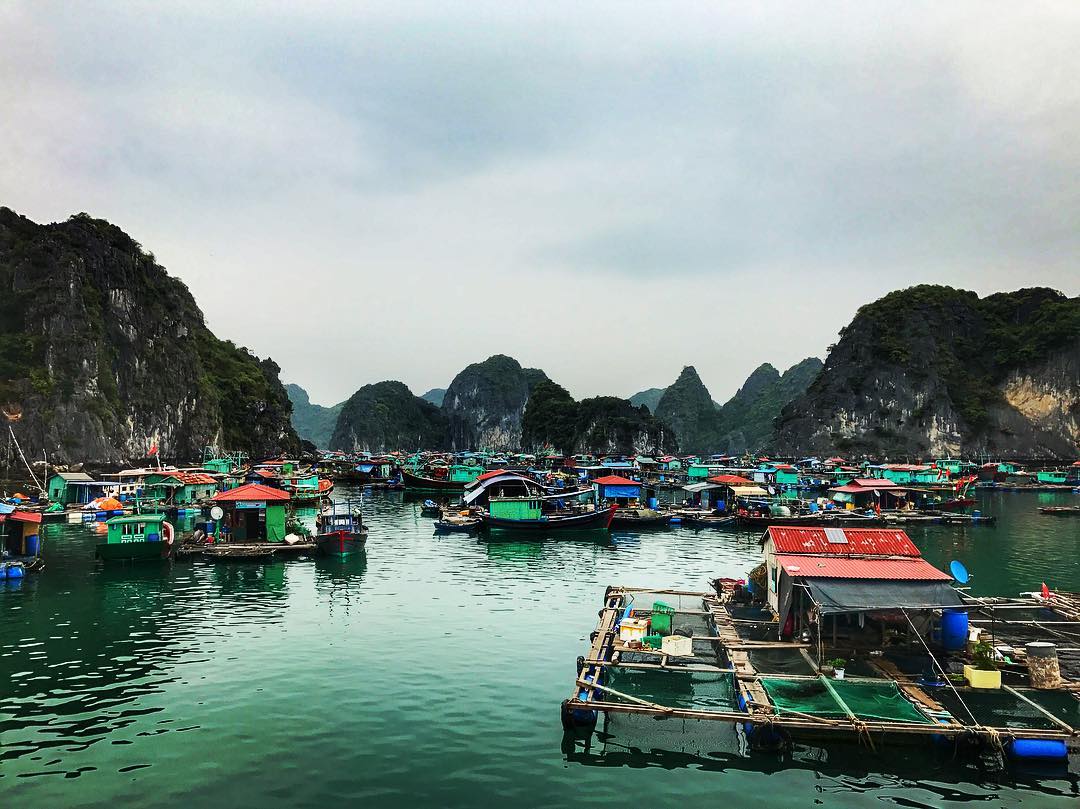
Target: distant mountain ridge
<point>314,423</point>
<point>435,396</point>
<point>650,398</point>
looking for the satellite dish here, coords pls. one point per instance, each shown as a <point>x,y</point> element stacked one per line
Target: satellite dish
<point>959,572</point>
<point>216,513</point>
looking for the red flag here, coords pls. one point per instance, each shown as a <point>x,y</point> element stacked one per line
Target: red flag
<point>153,450</point>
<point>1045,591</point>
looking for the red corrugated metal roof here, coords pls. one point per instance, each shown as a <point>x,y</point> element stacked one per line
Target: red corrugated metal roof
<point>730,480</point>
<point>839,567</point>
<point>250,492</point>
<point>194,478</point>
<point>22,516</point>
<point>615,480</point>
<point>860,541</point>
<point>873,483</point>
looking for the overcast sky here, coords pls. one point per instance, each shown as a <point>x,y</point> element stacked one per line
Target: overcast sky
<point>609,192</point>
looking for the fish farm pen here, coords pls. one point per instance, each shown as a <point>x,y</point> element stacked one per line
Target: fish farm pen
<point>717,655</point>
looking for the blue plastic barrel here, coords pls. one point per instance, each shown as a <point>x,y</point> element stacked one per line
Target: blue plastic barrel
<point>1039,748</point>
<point>15,571</point>
<point>653,502</point>
<point>954,630</point>
<point>33,545</point>
<point>3,570</point>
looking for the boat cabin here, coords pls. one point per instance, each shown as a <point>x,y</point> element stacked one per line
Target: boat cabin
<point>134,528</point>
<point>253,513</point>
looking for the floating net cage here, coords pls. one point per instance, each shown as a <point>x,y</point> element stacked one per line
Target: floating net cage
<point>995,708</point>
<point>692,690</point>
<point>867,700</point>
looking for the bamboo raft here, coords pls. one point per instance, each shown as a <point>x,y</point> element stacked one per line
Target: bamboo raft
<point>767,724</point>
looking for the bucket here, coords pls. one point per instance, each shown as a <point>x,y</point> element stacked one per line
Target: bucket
<point>1043,667</point>
<point>954,630</point>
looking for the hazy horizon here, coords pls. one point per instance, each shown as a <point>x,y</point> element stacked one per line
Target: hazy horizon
<point>609,193</point>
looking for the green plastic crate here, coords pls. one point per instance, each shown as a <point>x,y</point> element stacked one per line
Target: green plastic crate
<point>661,618</point>
<point>653,641</point>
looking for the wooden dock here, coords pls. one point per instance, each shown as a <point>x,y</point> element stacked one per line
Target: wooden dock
<point>241,551</point>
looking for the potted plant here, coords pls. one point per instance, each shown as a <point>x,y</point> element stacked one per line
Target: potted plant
<point>837,664</point>
<point>983,671</point>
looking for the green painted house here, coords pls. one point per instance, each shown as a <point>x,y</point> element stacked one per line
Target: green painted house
<point>253,513</point>
<point>180,488</point>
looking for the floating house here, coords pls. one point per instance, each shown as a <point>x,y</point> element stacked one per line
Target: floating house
<point>616,489</point>
<point>830,572</point>
<point>254,513</point>
<point>861,493</point>
<point>180,488</point>
<point>73,488</point>
<point>20,535</point>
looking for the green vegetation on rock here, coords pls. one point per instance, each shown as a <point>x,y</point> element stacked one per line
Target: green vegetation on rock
<point>387,416</point>
<point>600,425</point>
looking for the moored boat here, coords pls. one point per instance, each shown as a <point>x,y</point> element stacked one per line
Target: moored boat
<point>341,532</point>
<point>640,518</point>
<point>138,537</point>
<point>552,521</point>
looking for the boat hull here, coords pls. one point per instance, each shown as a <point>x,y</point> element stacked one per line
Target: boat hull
<point>431,484</point>
<point>812,521</point>
<point>624,521</point>
<point>340,543</point>
<point>576,522</point>
<point>134,551</point>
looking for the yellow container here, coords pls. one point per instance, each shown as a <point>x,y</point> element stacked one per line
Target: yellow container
<point>977,678</point>
<point>633,629</point>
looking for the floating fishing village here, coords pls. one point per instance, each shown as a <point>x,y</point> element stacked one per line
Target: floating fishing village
<point>442,404</point>
<point>842,630</point>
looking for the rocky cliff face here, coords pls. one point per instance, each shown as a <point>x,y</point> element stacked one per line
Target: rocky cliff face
<point>690,411</point>
<point>485,403</point>
<point>105,355</point>
<point>933,371</point>
<point>746,419</point>
<point>312,422</point>
<point>387,416</point>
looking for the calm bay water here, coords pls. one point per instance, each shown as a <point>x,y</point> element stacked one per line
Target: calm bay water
<point>430,670</point>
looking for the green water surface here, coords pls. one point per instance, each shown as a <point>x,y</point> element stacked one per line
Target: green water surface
<point>428,671</point>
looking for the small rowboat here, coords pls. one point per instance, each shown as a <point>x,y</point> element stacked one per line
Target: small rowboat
<point>1060,511</point>
<point>640,518</point>
<point>457,524</point>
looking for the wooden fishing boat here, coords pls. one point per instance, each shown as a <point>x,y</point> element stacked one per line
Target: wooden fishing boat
<point>821,518</point>
<point>414,481</point>
<point>341,532</point>
<point>1061,511</point>
<point>711,520</point>
<point>429,508</point>
<point>458,524</point>
<point>640,518</point>
<point>552,521</point>
<point>138,537</point>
